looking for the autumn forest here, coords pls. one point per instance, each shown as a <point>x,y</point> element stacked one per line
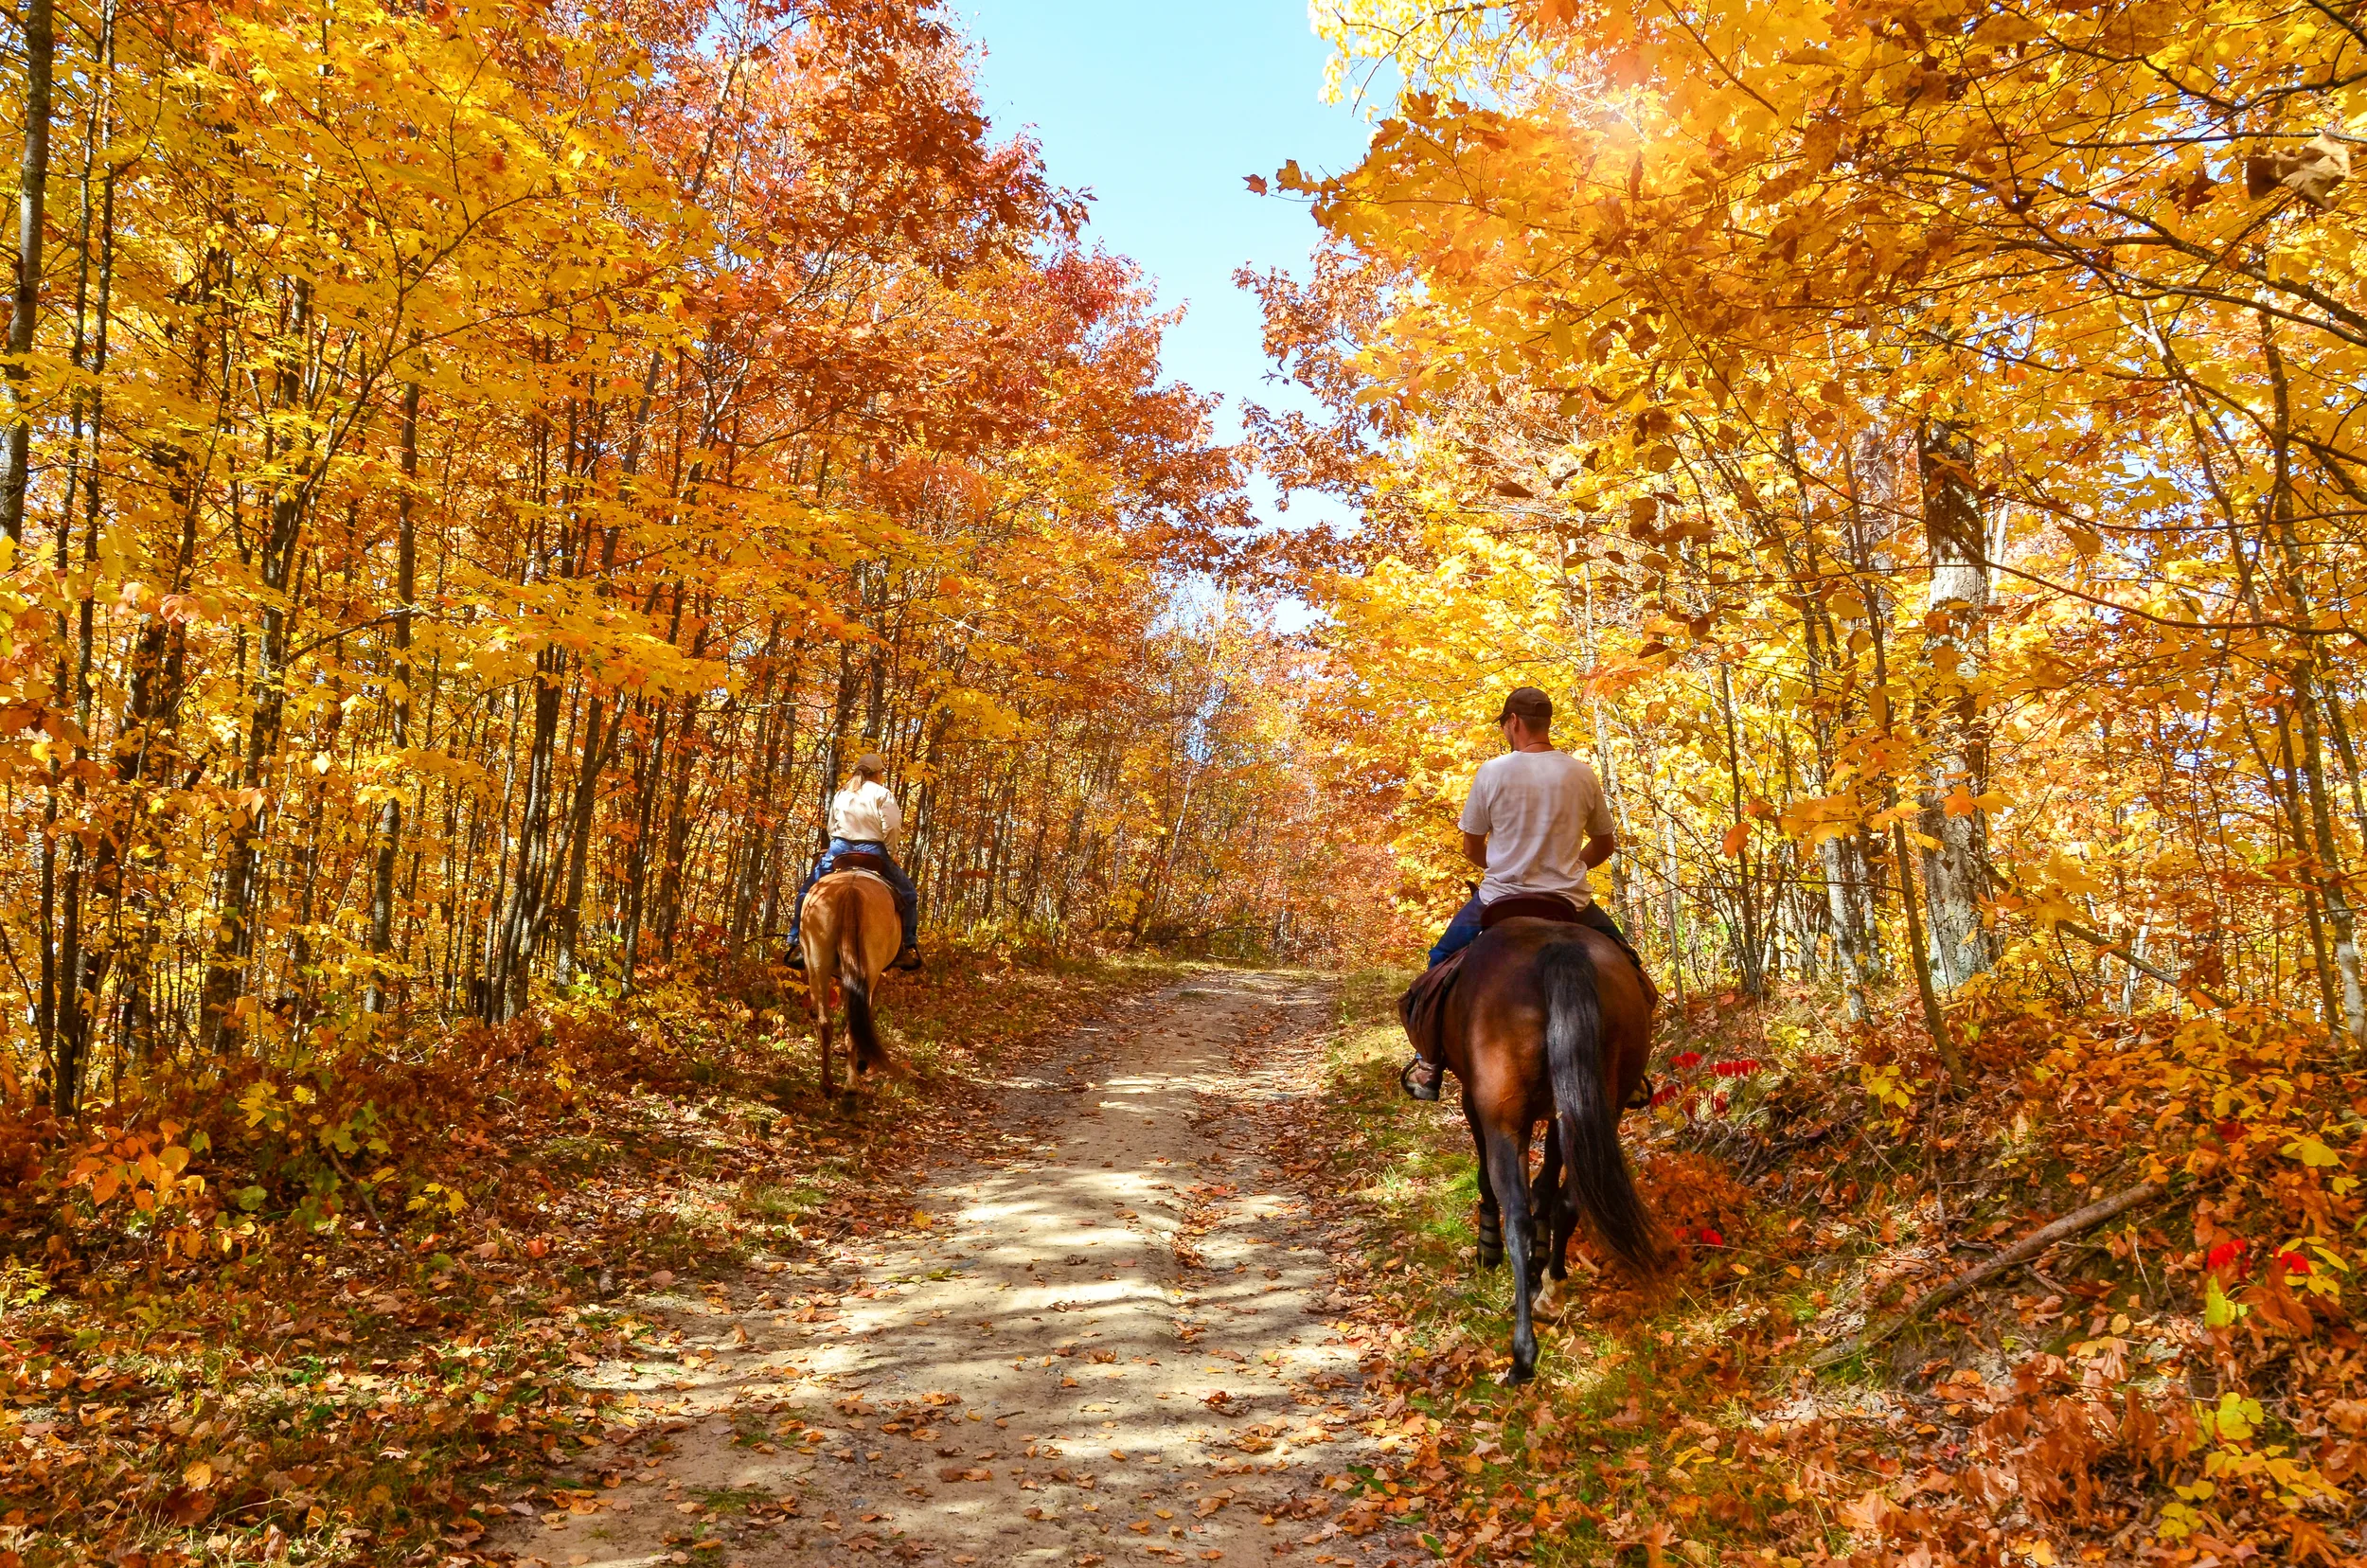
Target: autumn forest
<point>473,480</point>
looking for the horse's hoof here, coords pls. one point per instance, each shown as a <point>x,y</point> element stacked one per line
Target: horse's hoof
<point>1516,1374</point>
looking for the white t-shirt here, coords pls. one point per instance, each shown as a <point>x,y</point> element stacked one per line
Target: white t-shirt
<point>1535,810</point>
<point>867,812</point>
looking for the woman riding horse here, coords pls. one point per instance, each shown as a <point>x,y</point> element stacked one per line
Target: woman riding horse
<point>857,916</point>
<point>865,817</point>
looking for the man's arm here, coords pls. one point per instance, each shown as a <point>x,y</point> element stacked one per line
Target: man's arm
<point>1597,848</point>
<point>1475,850</point>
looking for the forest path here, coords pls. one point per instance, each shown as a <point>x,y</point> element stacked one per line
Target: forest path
<point>1109,1345</point>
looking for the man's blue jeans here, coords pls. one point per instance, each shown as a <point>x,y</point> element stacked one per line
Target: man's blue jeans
<point>1461,933</point>
<point>907,896</point>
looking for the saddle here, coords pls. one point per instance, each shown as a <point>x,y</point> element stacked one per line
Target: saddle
<point>1422,1010</point>
<point>861,859</point>
<point>1534,906</point>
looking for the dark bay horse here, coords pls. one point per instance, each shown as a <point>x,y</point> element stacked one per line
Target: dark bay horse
<point>1550,1022</point>
<point>849,930</point>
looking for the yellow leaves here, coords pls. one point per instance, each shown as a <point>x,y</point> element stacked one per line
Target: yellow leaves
<point>1812,819</point>
<point>434,1196</point>
<point>2232,1419</point>
<point>2311,1152</point>
<point>1887,1085</point>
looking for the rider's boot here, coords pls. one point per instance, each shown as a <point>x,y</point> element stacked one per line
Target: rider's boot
<point>908,960</point>
<point>1420,1079</point>
<point>796,960</point>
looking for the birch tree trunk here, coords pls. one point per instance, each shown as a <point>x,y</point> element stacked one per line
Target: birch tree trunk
<point>1956,875</point>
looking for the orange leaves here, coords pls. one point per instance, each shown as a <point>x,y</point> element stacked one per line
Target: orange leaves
<point>144,1167</point>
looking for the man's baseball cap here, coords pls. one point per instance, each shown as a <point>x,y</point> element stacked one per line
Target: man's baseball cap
<point>1529,703</point>
<point>872,763</point>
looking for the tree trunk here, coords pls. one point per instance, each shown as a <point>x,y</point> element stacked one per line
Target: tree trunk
<point>2322,851</point>
<point>39,43</point>
<point>241,885</point>
<point>513,962</point>
<point>1956,875</point>
<point>390,814</point>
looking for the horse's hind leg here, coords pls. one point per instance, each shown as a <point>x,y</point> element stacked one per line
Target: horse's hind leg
<point>1491,1229</point>
<point>1509,1169</point>
<point>1549,1229</point>
<point>819,980</point>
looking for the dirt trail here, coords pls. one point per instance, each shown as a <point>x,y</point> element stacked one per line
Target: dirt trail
<point>1113,1346</point>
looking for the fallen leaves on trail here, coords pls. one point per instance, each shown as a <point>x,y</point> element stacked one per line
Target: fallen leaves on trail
<point>307,1379</point>
<point>2138,1394</point>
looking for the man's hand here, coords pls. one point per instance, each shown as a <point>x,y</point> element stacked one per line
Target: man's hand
<point>1594,850</point>
<point>1475,850</point>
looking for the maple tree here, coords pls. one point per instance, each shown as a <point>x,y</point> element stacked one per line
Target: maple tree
<point>1919,442</point>
<point>483,478</point>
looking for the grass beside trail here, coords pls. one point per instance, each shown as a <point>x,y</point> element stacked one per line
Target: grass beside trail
<point>2164,1388</point>
<point>321,1310</point>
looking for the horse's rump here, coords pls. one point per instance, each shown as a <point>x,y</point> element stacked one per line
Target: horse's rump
<point>851,931</point>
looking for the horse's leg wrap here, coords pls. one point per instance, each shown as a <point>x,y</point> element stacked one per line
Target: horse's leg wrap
<point>1491,1239</point>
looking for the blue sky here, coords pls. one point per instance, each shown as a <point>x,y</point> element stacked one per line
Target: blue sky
<point>1160,111</point>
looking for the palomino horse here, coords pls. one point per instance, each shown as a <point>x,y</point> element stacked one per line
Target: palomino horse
<point>851,931</point>
<point>1549,1022</point>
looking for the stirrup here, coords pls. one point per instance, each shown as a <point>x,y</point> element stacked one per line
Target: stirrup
<point>908,960</point>
<point>795,959</point>
<point>1413,1087</point>
<point>1642,1098</point>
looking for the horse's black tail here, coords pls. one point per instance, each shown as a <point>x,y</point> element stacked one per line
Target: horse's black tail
<point>1599,1184</point>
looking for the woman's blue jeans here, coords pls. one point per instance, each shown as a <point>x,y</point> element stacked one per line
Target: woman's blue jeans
<point>907,896</point>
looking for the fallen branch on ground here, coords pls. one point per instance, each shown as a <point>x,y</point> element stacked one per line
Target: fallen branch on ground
<point>2021,1251</point>
<point>2122,953</point>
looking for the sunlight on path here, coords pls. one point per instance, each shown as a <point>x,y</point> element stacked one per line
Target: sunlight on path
<point>1109,1345</point>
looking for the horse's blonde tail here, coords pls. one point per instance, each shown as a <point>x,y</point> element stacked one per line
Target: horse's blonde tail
<point>854,978</point>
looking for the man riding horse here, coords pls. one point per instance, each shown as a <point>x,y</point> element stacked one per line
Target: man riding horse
<point>1537,1003</point>
<point>1536,823</point>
